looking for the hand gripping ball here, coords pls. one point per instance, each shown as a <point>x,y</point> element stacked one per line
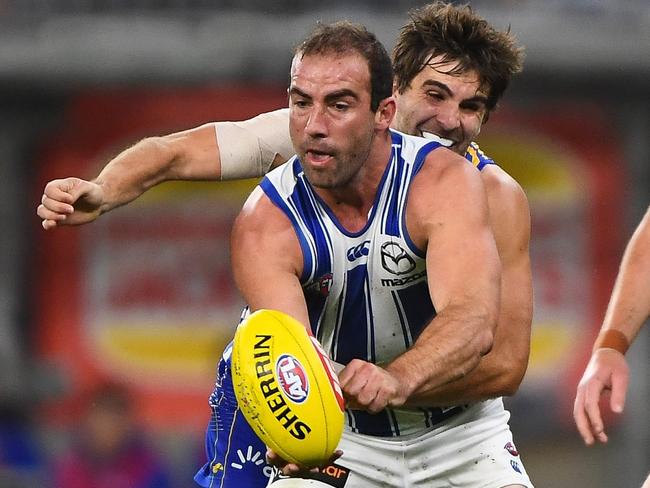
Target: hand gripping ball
<point>286,388</point>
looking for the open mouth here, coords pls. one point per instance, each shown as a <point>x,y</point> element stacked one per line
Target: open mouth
<point>317,156</point>
<point>440,140</point>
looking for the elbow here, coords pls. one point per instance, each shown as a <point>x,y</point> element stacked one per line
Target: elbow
<point>485,333</point>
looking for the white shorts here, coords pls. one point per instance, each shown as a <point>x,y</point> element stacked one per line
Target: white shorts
<point>474,449</point>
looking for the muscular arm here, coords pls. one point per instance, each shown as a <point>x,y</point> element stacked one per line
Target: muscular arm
<point>501,371</point>
<point>463,275</point>
<point>267,259</point>
<point>628,309</point>
<point>223,150</point>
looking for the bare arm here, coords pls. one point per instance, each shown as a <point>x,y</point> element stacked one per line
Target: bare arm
<point>628,309</point>
<point>224,150</point>
<point>447,215</point>
<point>450,220</point>
<point>501,371</point>
<point>267,259</point>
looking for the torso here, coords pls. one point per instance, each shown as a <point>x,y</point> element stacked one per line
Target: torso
<point>367,293</point>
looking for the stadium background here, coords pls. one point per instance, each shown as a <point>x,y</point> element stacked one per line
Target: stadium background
<point>144,296</point>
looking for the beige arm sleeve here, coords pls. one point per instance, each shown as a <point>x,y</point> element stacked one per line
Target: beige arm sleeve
<point>248,149</point>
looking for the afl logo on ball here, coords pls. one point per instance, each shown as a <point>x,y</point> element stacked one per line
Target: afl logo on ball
<point>292,378</point>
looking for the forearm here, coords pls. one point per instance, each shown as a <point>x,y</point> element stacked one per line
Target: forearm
<point>499,373</point>
<point>188,155</point>
<point>133,172</point>
<point>629,306</point>
<point>448,349</point>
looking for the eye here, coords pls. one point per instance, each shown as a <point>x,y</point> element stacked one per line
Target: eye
<point>472,107</point>
<point>435,95</point>
<point>341,106</point>
<point>300,103</point>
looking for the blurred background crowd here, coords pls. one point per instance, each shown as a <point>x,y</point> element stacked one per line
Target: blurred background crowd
<point>109,333</point>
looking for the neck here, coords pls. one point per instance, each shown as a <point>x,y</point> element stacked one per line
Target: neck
<point>352,203</point>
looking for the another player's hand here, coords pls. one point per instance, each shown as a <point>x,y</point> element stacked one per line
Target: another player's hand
<point>367,386</point>
<point>70,201</point>
<point>291,469</point>
<point>607,371</point>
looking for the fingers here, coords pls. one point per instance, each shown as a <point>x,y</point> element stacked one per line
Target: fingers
<point>582,423</point>
<point>291,469</point>
<point>56,203</point>
<point>368,386</point>
<point>619,390</point>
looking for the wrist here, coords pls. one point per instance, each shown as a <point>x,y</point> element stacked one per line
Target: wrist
<point>612,339</point>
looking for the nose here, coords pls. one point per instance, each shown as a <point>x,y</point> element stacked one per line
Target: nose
<point>316,125</point>
<point>448,117</point>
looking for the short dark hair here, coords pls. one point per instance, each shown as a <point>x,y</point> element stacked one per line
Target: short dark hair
<point>344,37</point>
<point>456,33</point>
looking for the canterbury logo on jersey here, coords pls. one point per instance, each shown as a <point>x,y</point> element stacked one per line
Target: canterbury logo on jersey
<point>356,252</point>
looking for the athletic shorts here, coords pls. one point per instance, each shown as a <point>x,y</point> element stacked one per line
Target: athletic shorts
<point>236,457</point>
<point>472,450</point>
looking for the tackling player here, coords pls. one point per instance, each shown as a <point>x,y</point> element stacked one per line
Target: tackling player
<point>451,67</point>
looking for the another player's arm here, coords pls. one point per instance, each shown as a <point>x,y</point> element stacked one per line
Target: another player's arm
<point>463,275</point>
<point>628,309</point>
<point>223,150</point>
<point>501,371</point>
<point>267,259</point>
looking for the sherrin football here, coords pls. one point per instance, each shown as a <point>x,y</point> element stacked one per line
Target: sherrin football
<point>286,388</point>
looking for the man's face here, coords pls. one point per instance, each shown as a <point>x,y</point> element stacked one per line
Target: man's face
<point>439,104</point>
<point>331,124</point>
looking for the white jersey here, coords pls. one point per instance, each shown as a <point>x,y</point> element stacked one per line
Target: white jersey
<point>366,292</point>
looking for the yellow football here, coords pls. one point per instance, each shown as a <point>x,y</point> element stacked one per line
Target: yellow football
<point>286,388</point>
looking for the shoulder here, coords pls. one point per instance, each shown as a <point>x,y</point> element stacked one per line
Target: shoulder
<point>445,185</point>
<point>505,195</point>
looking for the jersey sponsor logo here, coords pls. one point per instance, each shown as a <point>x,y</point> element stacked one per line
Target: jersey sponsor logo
<point>356,252</point>
<point>331,475</point>
<point>395,259</point>
<point>403,281</point>
<point>270,389</point>
<point>253,459</point>
<point>292,377</point>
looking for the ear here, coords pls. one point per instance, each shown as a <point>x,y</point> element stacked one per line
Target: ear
<point>385,113</point>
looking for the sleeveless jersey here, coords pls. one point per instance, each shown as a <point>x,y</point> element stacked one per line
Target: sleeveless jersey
<point>366,292</point>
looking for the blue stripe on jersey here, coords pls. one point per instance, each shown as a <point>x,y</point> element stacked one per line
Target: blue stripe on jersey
<point>390,218</point>
<point>275,197</point>
<point>377,424</point>
<point>408,340</point>
<point>302,200</point>
<point>352,340</point>
<point>417,305</point>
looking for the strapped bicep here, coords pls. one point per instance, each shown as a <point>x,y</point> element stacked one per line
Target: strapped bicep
<point>248,149</point>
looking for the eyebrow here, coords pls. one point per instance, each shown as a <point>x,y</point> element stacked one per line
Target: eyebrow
<point>442,86</point>
<point>330,97</point>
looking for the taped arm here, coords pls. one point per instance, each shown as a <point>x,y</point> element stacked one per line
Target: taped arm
<point>251,148</point>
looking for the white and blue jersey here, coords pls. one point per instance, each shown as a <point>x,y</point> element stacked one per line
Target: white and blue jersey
<point>367,298</point>
<point>366,292</point>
